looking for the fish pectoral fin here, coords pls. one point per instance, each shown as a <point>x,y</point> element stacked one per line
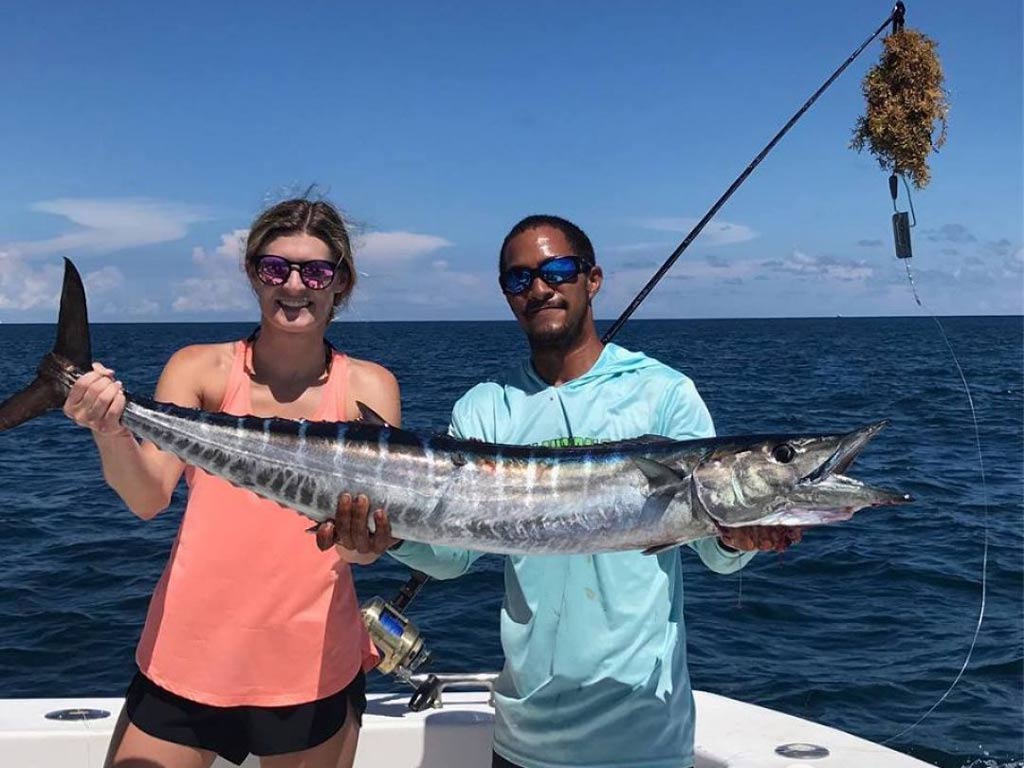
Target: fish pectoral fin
<point>369,416</point>
<point>664,484</point>
<point>661,548</point>
<point>661,476</point>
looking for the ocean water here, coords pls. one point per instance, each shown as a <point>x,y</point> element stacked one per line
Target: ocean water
<point>863,626</point>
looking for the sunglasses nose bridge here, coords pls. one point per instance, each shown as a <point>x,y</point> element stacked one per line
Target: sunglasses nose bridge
<point>294,270</point>
<point>537,279</point>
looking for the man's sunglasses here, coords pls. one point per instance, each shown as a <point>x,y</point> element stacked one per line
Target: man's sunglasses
<point>553,271</point>
<point>275,270</point>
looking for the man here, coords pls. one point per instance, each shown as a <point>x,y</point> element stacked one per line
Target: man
<point>595,650</point>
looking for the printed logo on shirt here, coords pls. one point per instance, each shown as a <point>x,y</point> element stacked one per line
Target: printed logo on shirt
<point>568,442</point>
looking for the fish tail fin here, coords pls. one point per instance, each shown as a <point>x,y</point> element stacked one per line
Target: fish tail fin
<point>70,357</point>
<point>73,321</point>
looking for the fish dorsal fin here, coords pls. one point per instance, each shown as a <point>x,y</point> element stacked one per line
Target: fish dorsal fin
<point>660,548</point>
<point>642,441</point>
<point>369,416</point>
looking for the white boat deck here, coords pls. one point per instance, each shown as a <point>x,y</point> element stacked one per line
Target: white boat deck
<point>730,734</point>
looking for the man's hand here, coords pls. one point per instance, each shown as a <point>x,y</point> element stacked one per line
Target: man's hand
<point>763,538</point>
<point>351,533</point>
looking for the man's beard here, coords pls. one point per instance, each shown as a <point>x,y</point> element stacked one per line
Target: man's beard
<point>559,337</point>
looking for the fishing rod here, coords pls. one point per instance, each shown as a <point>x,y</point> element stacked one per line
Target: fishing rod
<point>388,626</point>
<point>896,19</point>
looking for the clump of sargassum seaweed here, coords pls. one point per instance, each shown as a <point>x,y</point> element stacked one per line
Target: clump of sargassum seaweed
<point>906,107</point>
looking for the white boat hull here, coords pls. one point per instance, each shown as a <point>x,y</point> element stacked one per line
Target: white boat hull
<point>730,734</point>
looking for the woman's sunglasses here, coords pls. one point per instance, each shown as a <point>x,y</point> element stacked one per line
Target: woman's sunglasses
<point>275,270</point>
<point>553,271</point>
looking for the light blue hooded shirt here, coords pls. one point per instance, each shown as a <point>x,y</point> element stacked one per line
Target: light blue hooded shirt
<point>595,671</point>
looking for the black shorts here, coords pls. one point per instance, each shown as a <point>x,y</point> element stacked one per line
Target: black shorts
<point>497,761</point>
<point>234,732</point>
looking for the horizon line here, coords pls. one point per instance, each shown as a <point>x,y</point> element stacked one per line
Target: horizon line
<point>512,320</point>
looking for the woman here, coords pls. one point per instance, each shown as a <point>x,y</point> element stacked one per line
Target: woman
<point>253,642</point>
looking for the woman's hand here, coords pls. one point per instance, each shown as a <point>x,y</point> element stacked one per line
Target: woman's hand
<point>350,531</point>
<point>96,401</point>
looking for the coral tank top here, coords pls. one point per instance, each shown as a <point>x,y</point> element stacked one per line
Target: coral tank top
<point>248,610</point>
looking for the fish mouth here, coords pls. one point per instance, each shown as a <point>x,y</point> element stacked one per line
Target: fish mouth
<point>826,495</point>
<point>850,446</point>
<point>832,500</point>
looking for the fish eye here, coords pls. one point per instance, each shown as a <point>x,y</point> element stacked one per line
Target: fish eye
<point>783,453</point>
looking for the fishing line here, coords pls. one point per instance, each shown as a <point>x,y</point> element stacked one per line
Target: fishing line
<point>985,504</point>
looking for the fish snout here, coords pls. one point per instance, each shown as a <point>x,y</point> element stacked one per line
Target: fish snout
<point>849,448</point>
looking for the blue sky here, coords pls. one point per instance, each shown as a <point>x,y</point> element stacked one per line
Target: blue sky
<point>140,139</point>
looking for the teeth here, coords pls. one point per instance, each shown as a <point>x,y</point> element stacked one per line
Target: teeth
<point>293,304</point>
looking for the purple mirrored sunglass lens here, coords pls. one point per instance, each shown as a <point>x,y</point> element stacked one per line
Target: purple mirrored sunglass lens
<point>273,270</point>
<point>317,274</point>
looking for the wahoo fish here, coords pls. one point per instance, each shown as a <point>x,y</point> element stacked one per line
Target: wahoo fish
<point>648,493</point>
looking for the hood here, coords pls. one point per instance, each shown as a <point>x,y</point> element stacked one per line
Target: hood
<point>614,361</point>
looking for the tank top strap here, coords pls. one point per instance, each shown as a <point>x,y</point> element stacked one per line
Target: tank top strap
<point>333,405</point>
<point>236,391</point>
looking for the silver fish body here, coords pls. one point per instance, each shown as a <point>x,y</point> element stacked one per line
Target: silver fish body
<point>645,494</point>
<point>638,494</point>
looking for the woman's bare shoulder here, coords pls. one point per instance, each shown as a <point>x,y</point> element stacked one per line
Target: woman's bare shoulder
<point>370,373</point>
<point>374,385</point>
<point>197,374</point>
<point>204,359</point>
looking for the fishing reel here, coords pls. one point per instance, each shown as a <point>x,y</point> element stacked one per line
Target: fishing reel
<point>395,636</point>
<point>403,652</point>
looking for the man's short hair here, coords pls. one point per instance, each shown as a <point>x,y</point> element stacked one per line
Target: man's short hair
<point>578,240</point>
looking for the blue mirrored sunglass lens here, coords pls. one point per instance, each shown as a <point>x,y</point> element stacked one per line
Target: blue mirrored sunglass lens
<point>558,271</point>
<point>516,280</point>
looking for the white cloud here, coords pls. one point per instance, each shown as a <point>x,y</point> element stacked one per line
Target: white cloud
<point>630,248</point>
<point>687,269</point>
<point>221,285</point>
<point>388,248</point>
<point>28,286</point>
<point>138,308</point>
<point>226,258</point>
<point>438,293</point>
<point>212,294</point>
<point>714,233</point>
<point>103,280</point>
<point>110,296</point>
<point>1013,264</point>
<point>111,224</point>
<point>800,263</point>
